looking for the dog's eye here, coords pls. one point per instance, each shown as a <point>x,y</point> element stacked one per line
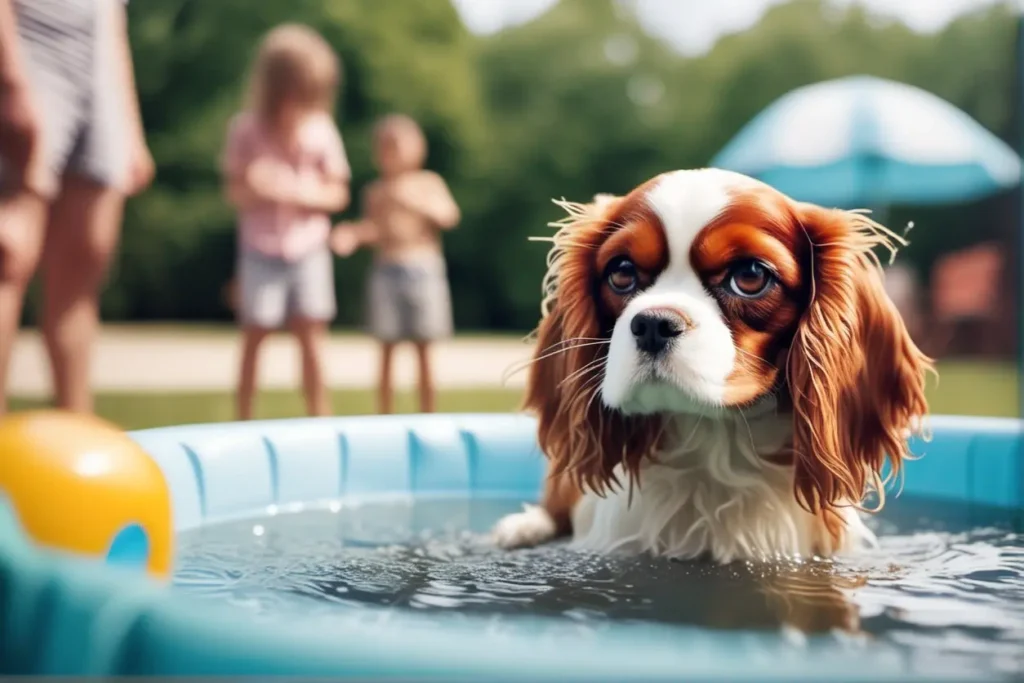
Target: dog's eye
<point>621,276</point>
<point>750,279</point>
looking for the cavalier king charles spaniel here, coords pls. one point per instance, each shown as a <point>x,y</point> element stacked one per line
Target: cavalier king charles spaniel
<point>719,374</point>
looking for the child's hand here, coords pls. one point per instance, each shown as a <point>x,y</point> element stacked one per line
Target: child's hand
<point>344,239</point>
<point>271,181</point>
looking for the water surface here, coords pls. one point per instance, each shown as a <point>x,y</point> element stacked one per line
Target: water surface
<point>947,584</point>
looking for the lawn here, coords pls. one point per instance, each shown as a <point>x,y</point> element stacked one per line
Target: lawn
<point>964,388</point>
<point>139,411</point>
<point>976,388</point>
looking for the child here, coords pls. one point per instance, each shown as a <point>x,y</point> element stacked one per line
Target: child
<point>404,211</point>
<point>285,171</point>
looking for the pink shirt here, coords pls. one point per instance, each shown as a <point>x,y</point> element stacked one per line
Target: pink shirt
<point>283,231</point>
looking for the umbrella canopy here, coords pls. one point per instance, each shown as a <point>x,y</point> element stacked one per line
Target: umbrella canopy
<point>865,141</point>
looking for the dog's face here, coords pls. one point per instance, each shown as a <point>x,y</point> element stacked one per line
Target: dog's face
<point>703,292</point>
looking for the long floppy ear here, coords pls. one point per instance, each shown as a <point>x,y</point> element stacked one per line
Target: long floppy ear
<point>855,376</point>
<point>580,436</point>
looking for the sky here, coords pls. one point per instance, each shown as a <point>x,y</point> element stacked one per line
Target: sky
<point>693,26</point>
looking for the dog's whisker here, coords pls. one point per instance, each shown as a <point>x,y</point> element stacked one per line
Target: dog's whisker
<point>562,347</point>
<point>593,366</point>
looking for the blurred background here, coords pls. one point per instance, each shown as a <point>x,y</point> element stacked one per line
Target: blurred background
<point>524,101</point>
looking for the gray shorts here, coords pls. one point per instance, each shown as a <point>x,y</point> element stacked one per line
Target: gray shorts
<point>73,73</point>
<point>409,301</point>
<point>272,291</point>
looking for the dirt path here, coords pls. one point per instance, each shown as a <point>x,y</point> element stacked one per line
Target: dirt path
<point>171,359</point>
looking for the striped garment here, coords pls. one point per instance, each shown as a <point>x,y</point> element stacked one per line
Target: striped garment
<point>75,79</point>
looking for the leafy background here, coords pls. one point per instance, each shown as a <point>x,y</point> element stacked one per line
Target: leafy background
<point>578,101</point>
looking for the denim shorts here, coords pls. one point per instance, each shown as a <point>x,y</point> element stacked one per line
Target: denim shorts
<point>273,291</point>
<point>409,301</point>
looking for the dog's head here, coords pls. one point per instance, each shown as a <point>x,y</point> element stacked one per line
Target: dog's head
<point>705,292</point>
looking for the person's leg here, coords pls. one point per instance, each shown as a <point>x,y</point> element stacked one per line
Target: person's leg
<point>82,234</point>
<point>385,393</point>
<point>311,335</point>
<point>22,229</point>
<point>56,43</point>
<point>85,222</point>
<point>252,337</point>
<point>313,307</point>
<point>427,393</point>
<point>384,313</point>
<point>430,319</point>
<point>262,290</point>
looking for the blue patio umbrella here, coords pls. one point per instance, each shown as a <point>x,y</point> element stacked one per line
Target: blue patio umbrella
<point>868,142</point>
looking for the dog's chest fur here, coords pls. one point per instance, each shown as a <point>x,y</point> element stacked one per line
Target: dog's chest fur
<point>714,490</point>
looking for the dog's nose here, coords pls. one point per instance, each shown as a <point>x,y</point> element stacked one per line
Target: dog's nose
<point>653,331</point>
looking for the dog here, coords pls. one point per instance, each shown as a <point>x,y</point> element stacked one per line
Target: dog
<point>718,374</point>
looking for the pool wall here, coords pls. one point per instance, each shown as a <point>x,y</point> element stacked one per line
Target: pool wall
<point>67,615</point>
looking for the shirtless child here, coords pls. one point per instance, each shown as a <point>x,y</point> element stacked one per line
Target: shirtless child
<point>404,212</point>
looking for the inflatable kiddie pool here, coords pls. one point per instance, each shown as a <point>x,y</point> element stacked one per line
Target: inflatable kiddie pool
<point>65,614</point>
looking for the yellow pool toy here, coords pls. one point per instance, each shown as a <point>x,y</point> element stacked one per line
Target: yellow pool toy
<point>80,484</point>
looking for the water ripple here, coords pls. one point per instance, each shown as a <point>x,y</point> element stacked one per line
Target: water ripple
<point>946,595</point>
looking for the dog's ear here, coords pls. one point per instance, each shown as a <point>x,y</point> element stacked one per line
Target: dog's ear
<point>580,436</point>
<point>856,378</point>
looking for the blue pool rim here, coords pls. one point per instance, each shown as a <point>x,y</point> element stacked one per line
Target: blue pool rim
<point>71,616</point>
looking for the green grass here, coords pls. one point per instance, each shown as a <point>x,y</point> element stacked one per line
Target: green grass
<point>141,411</point>
<point>990,388</point>
<point>965,388</point>
<point>229,330</point>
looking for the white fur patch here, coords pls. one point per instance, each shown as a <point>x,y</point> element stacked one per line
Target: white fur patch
<point>712,494</point>
<point>530,527</point>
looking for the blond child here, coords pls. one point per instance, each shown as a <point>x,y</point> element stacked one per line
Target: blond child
<point>404,212</point>
<point>285,171</point>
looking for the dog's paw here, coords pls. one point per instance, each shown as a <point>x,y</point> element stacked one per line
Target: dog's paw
<point>530,527</point>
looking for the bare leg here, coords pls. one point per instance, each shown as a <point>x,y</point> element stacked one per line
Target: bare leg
<point>252,337</point>
<point>22,229</point>
<point>310,335</point>
<point>84,227</point>
<point>385,395</point>
<point>427,394</point>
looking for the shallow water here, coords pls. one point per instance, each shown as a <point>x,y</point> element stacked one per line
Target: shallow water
<point>940,588</point>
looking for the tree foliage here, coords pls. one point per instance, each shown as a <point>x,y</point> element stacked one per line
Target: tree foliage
<point>576,102</point>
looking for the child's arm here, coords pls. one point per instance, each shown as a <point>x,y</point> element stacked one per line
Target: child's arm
<point>263,181</point>
<point>254,180</point>
<point>240,167</point>
<point>437,203</point>
<point>348,236</point>
<point>326,191</point>
<point>253,185</point>
<point>328,195</point>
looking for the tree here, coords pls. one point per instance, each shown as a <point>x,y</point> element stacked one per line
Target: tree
<point>576,102</point>
<point>192,56</point>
